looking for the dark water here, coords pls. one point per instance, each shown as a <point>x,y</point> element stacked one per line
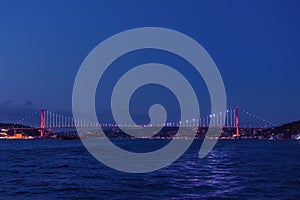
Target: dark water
<point>55,169</point>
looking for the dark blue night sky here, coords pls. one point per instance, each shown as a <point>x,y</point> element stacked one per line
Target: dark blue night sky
<point>255,45</point>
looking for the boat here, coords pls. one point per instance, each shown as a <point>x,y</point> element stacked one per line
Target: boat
<point>297,138</point>
<point>272,138</point>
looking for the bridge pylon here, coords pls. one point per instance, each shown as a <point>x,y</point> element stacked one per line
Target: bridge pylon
<point>237,121</point>
<point>42,126</point>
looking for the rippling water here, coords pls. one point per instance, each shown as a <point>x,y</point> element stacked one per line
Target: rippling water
<point>249,169</point>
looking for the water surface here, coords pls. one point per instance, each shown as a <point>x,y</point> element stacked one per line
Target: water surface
<point>57,169</point>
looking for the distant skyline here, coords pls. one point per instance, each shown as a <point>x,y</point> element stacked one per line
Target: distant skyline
<point>255,45</point>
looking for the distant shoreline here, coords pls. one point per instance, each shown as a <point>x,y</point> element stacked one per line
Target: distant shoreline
<point>284,132</point>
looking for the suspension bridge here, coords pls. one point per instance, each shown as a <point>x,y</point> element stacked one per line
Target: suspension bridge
<point>48,121</point>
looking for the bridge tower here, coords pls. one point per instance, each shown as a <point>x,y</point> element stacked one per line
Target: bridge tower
<point>237,121</point>
<point>42,126</point>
